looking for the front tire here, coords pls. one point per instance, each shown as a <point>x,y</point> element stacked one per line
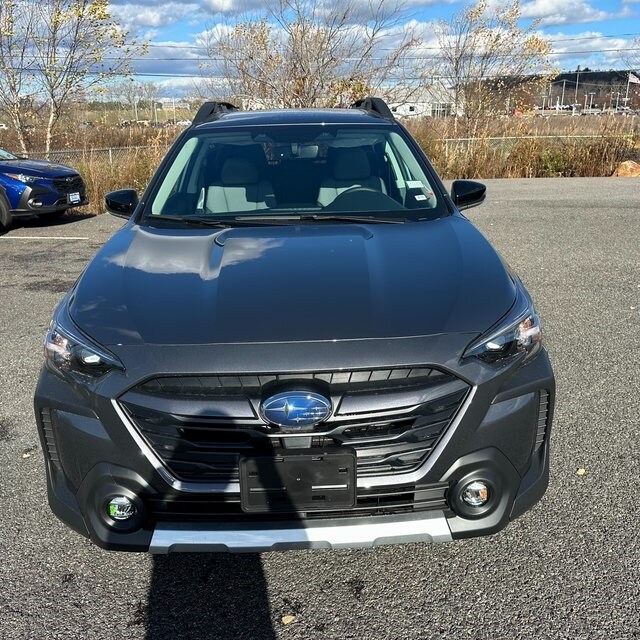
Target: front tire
<point>5,215</point>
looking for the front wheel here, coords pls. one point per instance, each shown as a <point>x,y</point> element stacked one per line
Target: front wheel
<point>5,215</point>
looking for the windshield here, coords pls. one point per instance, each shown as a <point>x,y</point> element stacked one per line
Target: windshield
<point>280,171</point>
<point>5,155</point>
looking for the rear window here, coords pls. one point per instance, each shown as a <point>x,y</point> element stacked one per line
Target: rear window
<point>296,169</point>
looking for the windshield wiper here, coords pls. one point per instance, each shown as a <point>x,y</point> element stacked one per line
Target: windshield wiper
<point>224,223</point>
<point>335,217</point>
<point>272,220</point>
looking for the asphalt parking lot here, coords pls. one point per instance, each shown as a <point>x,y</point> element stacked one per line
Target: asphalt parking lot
<point>570,568</point>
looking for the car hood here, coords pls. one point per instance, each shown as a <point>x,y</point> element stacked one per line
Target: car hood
<point>38,168</point>
<point>291,283</point>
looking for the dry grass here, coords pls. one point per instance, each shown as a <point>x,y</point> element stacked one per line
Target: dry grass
<point>490,154</point>
<point>131,169</point>
<point>493,153</point>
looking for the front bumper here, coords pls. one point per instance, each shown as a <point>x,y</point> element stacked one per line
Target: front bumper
<point>91,455</point>
<point>39,200</point>
<point>431,527</point>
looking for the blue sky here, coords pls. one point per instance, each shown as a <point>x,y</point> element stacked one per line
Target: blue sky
<point>594,33</point>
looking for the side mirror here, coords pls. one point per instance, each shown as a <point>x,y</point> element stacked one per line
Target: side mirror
<point>121,203</point>
<point>467,193</point>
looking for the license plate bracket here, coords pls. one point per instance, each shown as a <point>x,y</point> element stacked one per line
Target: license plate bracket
<point>290,482</point>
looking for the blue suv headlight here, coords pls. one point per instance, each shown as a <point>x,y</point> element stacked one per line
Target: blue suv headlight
<point>21,177</point>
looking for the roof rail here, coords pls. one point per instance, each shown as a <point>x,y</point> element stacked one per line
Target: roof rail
<point>212,110</point>
<point>374,105</point>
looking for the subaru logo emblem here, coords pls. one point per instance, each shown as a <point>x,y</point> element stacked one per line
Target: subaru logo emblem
<point>296,410</point>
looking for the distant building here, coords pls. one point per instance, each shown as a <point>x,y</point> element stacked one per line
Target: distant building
<point>427,102</point>
<point>594,90</point>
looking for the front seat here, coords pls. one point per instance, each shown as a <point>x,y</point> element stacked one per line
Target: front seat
<point>240,188</point>
<point>351,168</point>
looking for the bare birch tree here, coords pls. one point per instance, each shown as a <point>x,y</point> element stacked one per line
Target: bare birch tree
<point>55,50</point>
<point>305,53</point>
<point>16,33</point>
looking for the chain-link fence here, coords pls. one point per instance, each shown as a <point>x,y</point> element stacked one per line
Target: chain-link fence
<point>506,143</point>
<point>109,168</point>
<point>106,155</point>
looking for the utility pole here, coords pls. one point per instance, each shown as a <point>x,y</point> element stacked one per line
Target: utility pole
<point>564,82</point>
<point>585,103</point>
<point>626,98</point>
<point>575,99</point>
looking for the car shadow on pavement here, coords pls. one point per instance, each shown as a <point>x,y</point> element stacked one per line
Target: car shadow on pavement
<point>219,596</point>
<point>36,222</point>
<point>209,596</point>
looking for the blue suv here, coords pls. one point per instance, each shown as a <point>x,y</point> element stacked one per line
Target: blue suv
<point>37,187</point>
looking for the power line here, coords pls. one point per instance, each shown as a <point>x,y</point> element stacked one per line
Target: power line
<point>377,58</point>
<point>179,46</point>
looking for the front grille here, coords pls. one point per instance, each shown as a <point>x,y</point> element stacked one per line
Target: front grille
<point>69,184</point>
<point>48,436</point>
<point>357,380</point>
<point>223,507</point>
<point>200,426</point>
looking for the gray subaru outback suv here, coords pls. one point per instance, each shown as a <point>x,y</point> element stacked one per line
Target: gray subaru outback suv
<point>296,340</point>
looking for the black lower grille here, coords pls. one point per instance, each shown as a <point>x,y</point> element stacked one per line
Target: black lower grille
<point>69,184</point>
<point>200,438</point>
<point>543,419</point>
<point>222,507</point>
<point>48,436</point>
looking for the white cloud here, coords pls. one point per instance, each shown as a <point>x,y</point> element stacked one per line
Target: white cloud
<point>556,12</point>
<point>232,7</point>
<point>590,48</point>
<point>156,15</point>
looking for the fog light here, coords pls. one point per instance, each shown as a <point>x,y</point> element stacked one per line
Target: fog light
<point>121,508</point>
<point>475,494</point>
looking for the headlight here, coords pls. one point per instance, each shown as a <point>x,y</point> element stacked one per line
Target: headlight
<point>21,177</point>
<point>518,332</point>
<point>67,351</point>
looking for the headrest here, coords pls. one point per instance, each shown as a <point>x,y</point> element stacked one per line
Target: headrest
<point>238,171</point>
<point>352,164</point>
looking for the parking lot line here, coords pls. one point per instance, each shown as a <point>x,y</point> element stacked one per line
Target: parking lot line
<point>43,238</point>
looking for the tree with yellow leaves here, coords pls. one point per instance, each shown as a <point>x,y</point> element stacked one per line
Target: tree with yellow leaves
<point>54,50</point>
<point>486,57</point>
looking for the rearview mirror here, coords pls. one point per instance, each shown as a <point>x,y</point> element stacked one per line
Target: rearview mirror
<point>467,193</point>
<point>121,203</point>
